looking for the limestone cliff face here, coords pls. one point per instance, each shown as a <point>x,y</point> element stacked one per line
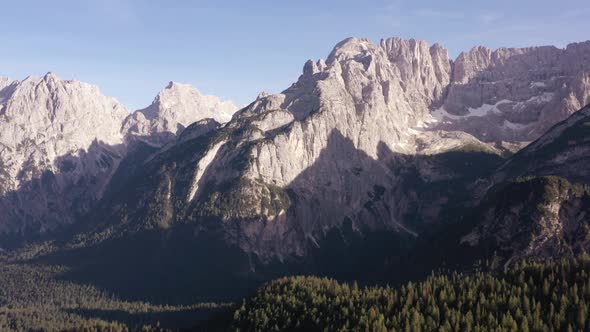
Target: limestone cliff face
<point>366,137</point>
<point>62,140</point>
<point>422,68</point>
<point>563,151</point>
<point>343,150</point>
<point>515,94</point>
<point>384,97</point>
<point>175,108</point>
<point>45,118</point>
<point>347,142</point>
<point>59,141</point>
<point>357,93</point>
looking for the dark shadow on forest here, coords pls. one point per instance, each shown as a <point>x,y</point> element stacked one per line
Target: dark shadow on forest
<point>179,319</point>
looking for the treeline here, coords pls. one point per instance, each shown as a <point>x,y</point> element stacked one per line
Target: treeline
<point>34,297</point>
<point>530,296</point>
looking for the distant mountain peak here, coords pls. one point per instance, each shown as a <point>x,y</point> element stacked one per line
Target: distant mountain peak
<point>72,136</point>
<point>176,107</point>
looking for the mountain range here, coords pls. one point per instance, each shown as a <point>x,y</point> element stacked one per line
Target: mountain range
<point>61,141</point>
<point>379,155</point>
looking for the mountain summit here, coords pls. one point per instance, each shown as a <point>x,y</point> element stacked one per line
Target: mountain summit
<point>175,108</point>
<point>378,157</point>
<point>360,142</point>
<point>61,141</point>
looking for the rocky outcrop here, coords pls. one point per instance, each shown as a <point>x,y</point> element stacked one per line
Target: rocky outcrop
<point>4,82</point>
<point>540,203</point>
<point>537,217</point>
<point>563,151</point>
<point>422,68</point>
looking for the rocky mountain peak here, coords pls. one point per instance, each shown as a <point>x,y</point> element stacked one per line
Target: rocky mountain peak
<point>404,47</point>
<point>62,140</point>
<point>310,68</point>
<point>171,85</point>
<point>348,129</point>
<point>351,48</point>
<point>580,49</point>
<point>68,104</point>
<point>4,81</point>
<point>424,68</point>
<point>6,89</point>
<point>174,108</point>
<point>59,142</point>
<point>354,127</point>
<point>264,94</point>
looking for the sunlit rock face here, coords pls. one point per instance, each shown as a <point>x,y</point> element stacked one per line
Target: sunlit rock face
<point>515,94</point>
<point>383,136</point>
<point>352,140</point>
<point>61,141</point>
<point>175,108</point>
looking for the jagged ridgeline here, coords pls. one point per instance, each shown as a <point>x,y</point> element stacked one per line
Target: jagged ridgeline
<point>61,141</point>
<point>366,137</point>
<point>379,157</point>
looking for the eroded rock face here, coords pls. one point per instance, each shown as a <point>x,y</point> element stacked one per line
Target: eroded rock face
<point>347,141</point>
<point>61,141</point>
<point>175,108</point>
<point>361,137</point>
<point>364,137</point>
<point>422,68</point>
<point>515,94</point>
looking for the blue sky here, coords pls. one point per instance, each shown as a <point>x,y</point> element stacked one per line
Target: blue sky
<point>234,49</point>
